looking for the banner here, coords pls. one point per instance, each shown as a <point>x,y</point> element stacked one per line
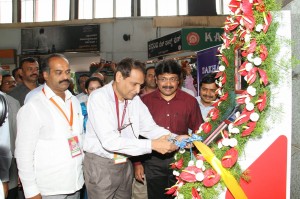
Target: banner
<point>207,62</point>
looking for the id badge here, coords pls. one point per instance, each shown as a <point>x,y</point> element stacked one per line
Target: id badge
<point>119,159</point>
<point>74,146</point>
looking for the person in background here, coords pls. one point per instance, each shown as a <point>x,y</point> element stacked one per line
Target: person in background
<point>117,117</point>
<point>188,80</point>
<point>71,86</point>
<point>101,76</point>
<point>41,42</point>
<point>48,145</point>
<point>150,84</point>
<point>208,94</point>
<point>176,111</point>
<point>13,108</point>
<point>8,83</point>
<point>30,74</point>
<point>91,84</point>
<point>82,97</point>
<point>17,74</point>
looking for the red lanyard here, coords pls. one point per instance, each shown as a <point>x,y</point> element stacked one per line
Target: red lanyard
<point>71,110</point>
<point>117,110</point>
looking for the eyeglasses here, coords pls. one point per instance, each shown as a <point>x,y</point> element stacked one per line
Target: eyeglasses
<point>172,79</point>
<point>9,82</point>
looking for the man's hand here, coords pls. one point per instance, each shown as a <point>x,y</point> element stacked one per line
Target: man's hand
<point>139,173</point>
<point>39,196</point>
<point>182,137</point>
<point>5,188</point>
<point>162,145</point>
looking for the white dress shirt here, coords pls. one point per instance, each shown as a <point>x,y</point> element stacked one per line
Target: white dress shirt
<point>42,149</point>
<point>82,97</point>
<point>204,109</point>
<point>103,138</point>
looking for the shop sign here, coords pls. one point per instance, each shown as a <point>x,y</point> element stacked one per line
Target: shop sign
<point>165,45</point>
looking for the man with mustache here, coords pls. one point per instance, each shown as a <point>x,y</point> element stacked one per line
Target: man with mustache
<point>208,93</point>
<point>176,111</point>
<point>49,139</point>
<point>30,74</point>
<point>117,117</point>
<point>8,83</point>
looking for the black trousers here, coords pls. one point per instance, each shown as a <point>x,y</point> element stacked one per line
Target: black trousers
<point>159,175</point>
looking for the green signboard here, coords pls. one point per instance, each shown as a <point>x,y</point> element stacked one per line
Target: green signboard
<point>186,39</point>
<point>196,39</point>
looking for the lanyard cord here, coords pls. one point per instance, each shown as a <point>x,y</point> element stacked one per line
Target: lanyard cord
<point>71,110</point>
<point>117,110</point>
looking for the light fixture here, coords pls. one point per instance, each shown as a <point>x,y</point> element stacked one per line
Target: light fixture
<point>126,37</point>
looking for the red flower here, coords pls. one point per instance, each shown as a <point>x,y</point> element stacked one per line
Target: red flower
<point>242,69</point>
<point>249,129</point>
<point>261,102</point>
<point>189,174</point>
<point>172,190</point>
<point>234,5</point>
<point>230,158</point>
<point>259,5</point>
<point>211,177</point>
<point>268,20</point>
<point>206,127</point>
<point>242,98</point>
<point>251,76</point>
<point>252,46</point>
<point>263,76</point>
<point>195,194</point>
<point>224,59</point>
<point>214,113</point>
<point>244,117</point>
<point>223,81</point>
<point>224,97</point>
<point>177,164</point>
<point>247,7</point>
<point>263,52</point>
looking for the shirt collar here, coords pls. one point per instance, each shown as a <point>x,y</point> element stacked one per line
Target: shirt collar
<point>49,93</point>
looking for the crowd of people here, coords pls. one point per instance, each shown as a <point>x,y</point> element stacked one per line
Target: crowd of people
<point>113,140</point>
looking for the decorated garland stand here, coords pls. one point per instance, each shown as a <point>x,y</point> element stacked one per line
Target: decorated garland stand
<point>247,54</point>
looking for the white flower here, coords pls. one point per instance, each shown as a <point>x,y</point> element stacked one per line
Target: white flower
<point>257,61</point>
<point>233,142</point>
<point>237,114</point>
<point>191,163</point>
<point>221,68</point>
<point>203,168</point>
<point>247,38</point>
<point>254,117</point>
<point>199,163</point>
<point>259,28</point>
<point>234,130</point>
<point>225,141</point>
<point>248,66</point>
<point>198,189</point>
<point>199,176</point>
<point>247,100</point>
<point>181,151</point>
<point>250,106</point>
<point>242,21</point>
<point>179,196</point>
<point>176,173</point>
<point>220,145</point>
<point>250,57</point>
<point>251,90</point>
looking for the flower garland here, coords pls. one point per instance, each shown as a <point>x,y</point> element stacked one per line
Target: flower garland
<point>250,29</point>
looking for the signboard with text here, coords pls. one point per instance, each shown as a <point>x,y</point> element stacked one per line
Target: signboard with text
<point>186,39</point>
<point>45,40</point>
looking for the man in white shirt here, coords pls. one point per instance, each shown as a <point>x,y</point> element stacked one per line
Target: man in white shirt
<point>117,117</point>
<point>83,96</point>
<point>208,95</point>
<point>48,145</point>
